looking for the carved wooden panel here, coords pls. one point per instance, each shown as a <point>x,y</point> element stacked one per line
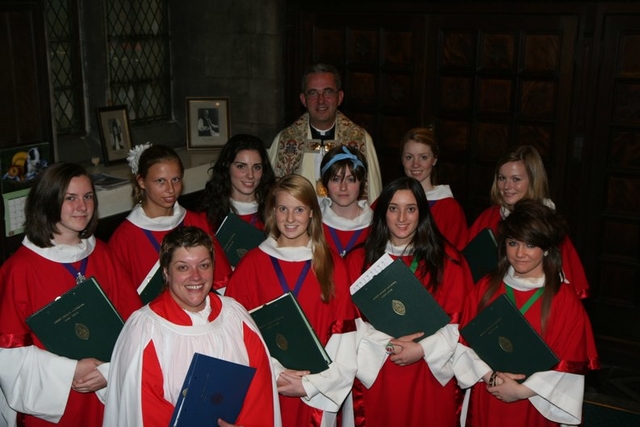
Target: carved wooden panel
<point>615,186</point>
<point>505,82</point>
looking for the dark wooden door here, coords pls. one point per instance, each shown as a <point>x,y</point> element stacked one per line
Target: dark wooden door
<point>615,192</point>
<point>497,81</point>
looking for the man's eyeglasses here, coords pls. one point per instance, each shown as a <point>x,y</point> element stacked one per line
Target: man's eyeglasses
<point>327,93</point>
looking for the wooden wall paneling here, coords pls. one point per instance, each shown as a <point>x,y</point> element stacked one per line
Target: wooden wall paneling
<point>615,185</point>
<point>503,81</point>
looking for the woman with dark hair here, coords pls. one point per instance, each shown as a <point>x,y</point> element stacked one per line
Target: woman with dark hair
<point>520,175</point>
<point>156,346</point>
<point>420,154</point>
<point>346,217</point>
<point>416,381</point>
<point>58,251</point>
<point>530,273</point>
<point>295,257</point>
<point>240,181</point>
<point>157,184</point>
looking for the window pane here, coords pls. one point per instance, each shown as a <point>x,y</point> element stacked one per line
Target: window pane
<point>138,43</point>
<point>64,58</point>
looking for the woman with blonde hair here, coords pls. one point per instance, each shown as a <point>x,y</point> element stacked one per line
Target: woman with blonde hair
<point>520,175</point>
<point>296,258</point>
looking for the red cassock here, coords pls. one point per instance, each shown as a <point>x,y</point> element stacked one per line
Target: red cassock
<point>152,356</point>
<point>571,263</point>
<point>410,396</point>
<point>568,333</point>
<point>450,220</point>
<point>255,282</point>
<point>28,282</point>
<point>138,253</point>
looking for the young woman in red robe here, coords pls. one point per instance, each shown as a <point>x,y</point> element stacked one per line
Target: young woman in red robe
<point>419,158</point>
<point>59,250</point>
<point>530,273</point>
<point>346,217</point>
<point>296,258</point>
<point>415,386</point>
<point>520,174</point>
<point>157,344</point>
<point>240,181</point>
<point>158,173</point>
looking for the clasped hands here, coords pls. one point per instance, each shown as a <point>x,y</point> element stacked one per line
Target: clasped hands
<point>504,386</point>
<point>404,350</point>
<point>87,378</point>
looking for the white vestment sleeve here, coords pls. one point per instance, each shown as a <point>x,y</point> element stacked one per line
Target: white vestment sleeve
<point>35,382</point>
<point>438,351</point>
<point>273,151</point>
<point>371,353</point>
<point>468,368</point>
<point>559,395</point>
<point>374,177</point>
<point>327,390</point>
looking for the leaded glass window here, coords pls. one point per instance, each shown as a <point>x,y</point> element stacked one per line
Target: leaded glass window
<point>65,63</point>
<point>138,58</point>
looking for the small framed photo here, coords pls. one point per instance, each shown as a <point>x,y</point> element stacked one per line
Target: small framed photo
<point>115,135</point>
<point>207,122</point>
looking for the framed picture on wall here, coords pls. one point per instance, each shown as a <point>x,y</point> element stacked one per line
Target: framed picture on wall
<point>115,135</point>
<point>207,122</point>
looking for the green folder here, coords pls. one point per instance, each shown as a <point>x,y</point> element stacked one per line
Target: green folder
<point>79,324</point>
<point>289,335</point>
<point>153,287</point>
<point>481,254</point>
<point>503,338</point>
<point>395,302</point>
<point>237,237</point>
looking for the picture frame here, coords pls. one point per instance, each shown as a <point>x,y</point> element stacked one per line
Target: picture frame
<point>208,125</point>
<point>115,135</point>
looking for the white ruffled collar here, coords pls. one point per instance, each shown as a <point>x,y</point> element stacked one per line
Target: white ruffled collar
<point>139,218</point>
<point>522,283</point>
<point>64,253</point>
<point>439,192</point>
<point>333,220</point>
<point>244,208</point>
<point>288,253</point>
<point>403,250</point>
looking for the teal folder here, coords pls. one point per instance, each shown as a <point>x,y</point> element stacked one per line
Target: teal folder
<point>505,340</point>
<point>481,254</point>
<point>237,237</point>
<point>153,288</point>
<point>395,302</point>
<point>213,388</point>
<point>79,324</point>
<point>289,335</point>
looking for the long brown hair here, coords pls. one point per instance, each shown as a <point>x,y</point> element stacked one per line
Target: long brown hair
<point>322,263</point>
<point>538,225</point>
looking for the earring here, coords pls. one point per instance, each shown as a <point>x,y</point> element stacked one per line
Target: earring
<point>545,253</point>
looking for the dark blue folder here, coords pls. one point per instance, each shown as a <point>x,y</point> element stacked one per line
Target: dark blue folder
<point>213,388</point>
